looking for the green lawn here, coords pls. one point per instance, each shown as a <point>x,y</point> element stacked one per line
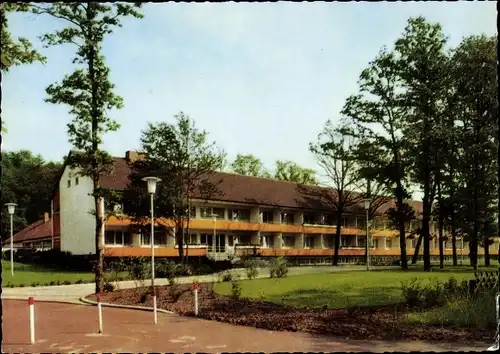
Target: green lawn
<point>28,275</point>
<point>341,289</point>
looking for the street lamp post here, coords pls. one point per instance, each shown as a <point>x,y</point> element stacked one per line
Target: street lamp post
<point>151,181</point>
<point>11,208</point>
<point>367,208</point>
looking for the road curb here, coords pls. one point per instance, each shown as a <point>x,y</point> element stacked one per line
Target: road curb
<point>141,308</point>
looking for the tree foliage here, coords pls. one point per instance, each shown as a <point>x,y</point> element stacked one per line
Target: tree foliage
<point>334,153</point>
<point>476,89</point>
<point>377,117</point>
<point>249,165</point>
<point>87,91</point>
<point>183,158</point>
<point>28,181</point>
<point>15,52</point>
<point>293,172</point>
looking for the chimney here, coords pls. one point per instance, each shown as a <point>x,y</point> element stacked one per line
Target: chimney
<point>45,217</point>
<point>131,156</point>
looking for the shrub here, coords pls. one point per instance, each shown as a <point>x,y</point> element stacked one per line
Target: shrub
<point>278,268</point>
<point>138,270</point>
<point>468,311</point>
<point>115,268</point>
<point>226,276</point>
<point>66,282</point>
<point>108,287</point>
<point>203,269</point>
<point>52,282</point>
<point>79,281</point>
<point>251,268</point>
<point>431,295</point>
<point>235,288</point>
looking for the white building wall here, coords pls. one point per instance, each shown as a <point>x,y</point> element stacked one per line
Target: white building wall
<point>77,220</point>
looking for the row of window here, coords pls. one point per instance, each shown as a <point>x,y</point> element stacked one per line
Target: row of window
<point>122,238</point>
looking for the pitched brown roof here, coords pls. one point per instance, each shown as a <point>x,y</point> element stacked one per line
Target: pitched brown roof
<point>252,190</point>
<point>38,230</point>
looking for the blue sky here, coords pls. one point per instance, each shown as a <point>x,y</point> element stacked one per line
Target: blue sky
<point>261,78</point>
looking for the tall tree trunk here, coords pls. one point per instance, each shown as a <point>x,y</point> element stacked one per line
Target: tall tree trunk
<point>453,237</point>
<point>99,276</point>
<point>180,243</point>
<point>473,247</point>
<point>417,249</point>
<point>440,226</point>
<point>441,245</point>
<point>336,246</point>
<point>402,233</point>
<point>486,251</point>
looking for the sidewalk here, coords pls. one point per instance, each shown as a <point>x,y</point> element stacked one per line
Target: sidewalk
<point>72,293</point>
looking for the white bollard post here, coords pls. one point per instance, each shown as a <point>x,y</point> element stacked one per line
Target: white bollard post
<point>31,303</point>
<point>195,290</point>
<point>99,310</point>
<point>155,311</point>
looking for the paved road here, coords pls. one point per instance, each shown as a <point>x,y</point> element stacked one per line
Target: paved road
<point>72,328</point>
<point>72,293</point>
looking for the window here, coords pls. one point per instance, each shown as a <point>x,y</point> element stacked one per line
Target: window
<point>109,237</point>
<point>203,239</point>
<point>76,181</point>
<point>309,218</point>
<point>160,237</point>
<point>348,241</point>
<point>244,240</point>
<point>388,243</point>
<point>361,241</point>
<point>288,241</point>
<point>192,212</point>
<point>145,238</point>
<point>308,242</point>
<point>350,221</point>
<point>375,242</point>
<point>328,241</point>
<point>266,217</point>
<point>287,218</point>
<point>328,219</point>
<point>117,238</point>
<point>239,214</point>
<point>193,239</point>
<point>266,241</point>
<point>414,243</point>
<point>207,213</point>
<point>69,183</point>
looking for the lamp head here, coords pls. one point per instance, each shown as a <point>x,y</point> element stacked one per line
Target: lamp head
<point>11,208</point>
<point>367,203</point>
<point>151,181</point>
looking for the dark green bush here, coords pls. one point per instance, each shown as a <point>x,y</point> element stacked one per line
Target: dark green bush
<point>235,288</point>
<point>431,295</point>
<point>66,282</point>
<point>108,287</point>
<point>226,276</point>
<point>251,268</point>
<point>278,268</point>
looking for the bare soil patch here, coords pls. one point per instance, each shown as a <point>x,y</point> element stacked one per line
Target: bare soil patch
<point>380,323</point>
